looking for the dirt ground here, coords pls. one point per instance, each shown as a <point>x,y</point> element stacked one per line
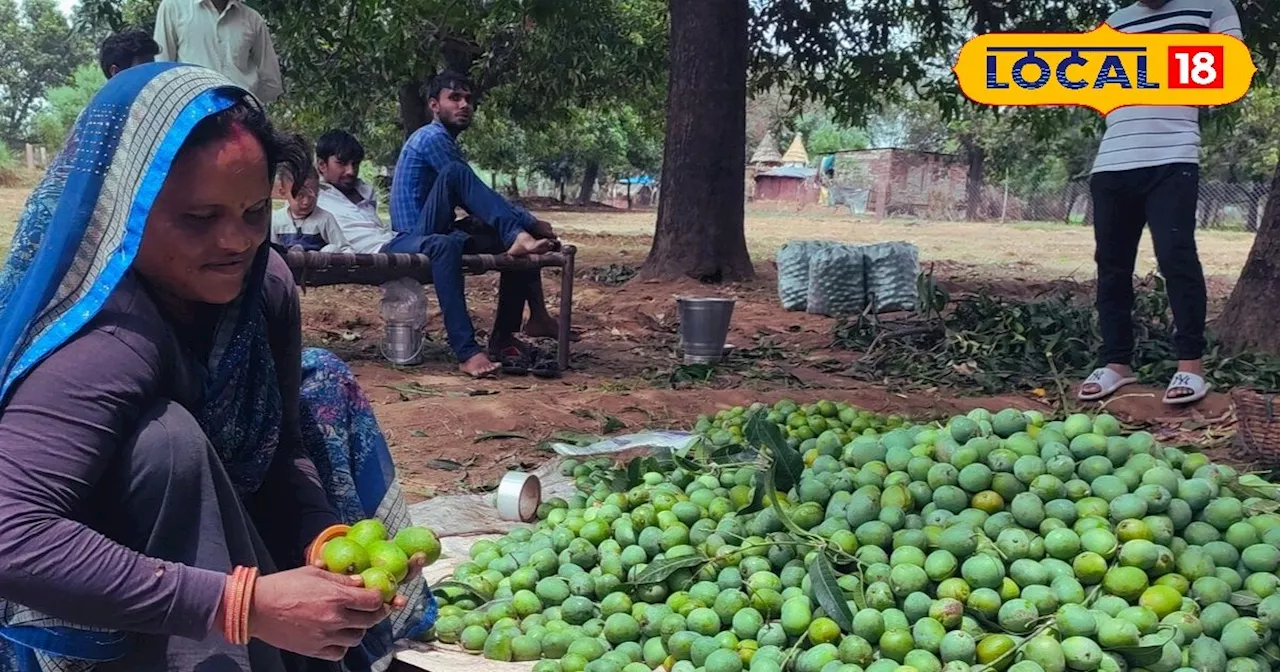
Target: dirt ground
<point>625,370</point>
<point>450,434</point>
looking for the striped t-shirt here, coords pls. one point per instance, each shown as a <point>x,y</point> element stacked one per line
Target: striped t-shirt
<point>1142,136</point>
<point>318,231</point>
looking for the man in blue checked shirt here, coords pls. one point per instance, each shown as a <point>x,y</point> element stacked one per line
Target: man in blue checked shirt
<point>431,179</point>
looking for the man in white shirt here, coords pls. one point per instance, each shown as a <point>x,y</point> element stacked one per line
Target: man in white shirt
<point>349,199</point>
<point>1147,172</point>
<point>223,35</point>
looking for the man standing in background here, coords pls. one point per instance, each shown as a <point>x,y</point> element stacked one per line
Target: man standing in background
<point>1147,172</point>
<point>126,49</point>
<point>223,35</point>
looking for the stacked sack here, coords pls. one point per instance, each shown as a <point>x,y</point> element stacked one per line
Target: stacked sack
<point>793,271</point>
<point>837,282</point>
<point>835,279</point>
<point>892,270</point>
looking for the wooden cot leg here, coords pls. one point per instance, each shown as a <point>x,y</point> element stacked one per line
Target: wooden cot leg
<point>566,311</point>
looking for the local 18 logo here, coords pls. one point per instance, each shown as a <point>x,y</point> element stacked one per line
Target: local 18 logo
<point>1104,69</point>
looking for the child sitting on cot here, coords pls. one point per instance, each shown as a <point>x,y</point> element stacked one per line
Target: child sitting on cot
<point>301,223</point>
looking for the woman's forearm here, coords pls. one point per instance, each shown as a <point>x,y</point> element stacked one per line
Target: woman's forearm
<point>64,569</point>
<point>64,430</point>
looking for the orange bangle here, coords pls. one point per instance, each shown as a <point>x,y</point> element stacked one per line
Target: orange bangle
<point>233,612</point>
<point>328,534</point>
<point>250,582</point>
<point>237,603</point>
<point>230,627</point>
<point>228,596</point>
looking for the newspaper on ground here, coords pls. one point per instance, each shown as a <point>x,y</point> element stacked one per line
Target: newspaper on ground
<point>665,440</point>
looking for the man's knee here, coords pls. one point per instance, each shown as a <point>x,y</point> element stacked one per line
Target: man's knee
<point>454,171</point>
<point>444,248</point>
<point>1114,258</point>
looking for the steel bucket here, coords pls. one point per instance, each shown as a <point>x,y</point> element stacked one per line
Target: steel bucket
<point>704,326</point>
<point>402,343</point>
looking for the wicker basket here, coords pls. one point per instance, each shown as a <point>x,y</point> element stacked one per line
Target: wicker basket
<point>1258,427</point>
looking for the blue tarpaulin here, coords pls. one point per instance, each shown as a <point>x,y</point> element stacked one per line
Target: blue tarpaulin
<point>801,172</point>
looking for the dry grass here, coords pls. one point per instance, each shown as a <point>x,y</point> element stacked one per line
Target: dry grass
<point>11,202</point>
<point>1022,249</point>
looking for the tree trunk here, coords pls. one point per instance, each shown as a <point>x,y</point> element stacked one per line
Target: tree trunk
<point>977,157</point>
<point>589,175</point>
<point>414,113</point>
<point>700,217</point>
<point>513,189</point>
<point>1247,322</point>
<point>560,183</point>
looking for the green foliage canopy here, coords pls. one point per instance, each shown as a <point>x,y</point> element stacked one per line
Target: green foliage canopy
<point>41,51</point>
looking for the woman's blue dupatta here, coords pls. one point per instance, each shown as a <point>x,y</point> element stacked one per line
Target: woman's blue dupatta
<point>77,238</point>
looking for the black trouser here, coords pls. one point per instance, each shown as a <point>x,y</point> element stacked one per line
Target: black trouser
<point>1164,198</point>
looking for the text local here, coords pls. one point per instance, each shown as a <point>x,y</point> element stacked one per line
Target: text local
<point>1112,72</point>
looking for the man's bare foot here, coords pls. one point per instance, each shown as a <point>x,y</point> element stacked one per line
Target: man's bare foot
<point>526,245</point>
<point>541,326</point>
<point>479,366</point>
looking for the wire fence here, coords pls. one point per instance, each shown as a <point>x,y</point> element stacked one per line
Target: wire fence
<point>900,183</point>
<point>1221,205</point>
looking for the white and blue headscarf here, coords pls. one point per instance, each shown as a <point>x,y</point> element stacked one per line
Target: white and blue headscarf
<point>82,225</point>
<point>78,236</point>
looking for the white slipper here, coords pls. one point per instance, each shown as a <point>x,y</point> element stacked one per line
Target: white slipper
<point>1199,388</point>
<point>1107,380</point>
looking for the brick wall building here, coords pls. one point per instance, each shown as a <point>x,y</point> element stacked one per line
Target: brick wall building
<point>892,181</point>
<point>797,184</point>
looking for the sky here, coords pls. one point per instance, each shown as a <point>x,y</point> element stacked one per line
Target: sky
<point>66,5</point>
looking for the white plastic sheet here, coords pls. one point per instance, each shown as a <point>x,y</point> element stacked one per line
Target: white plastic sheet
<point>666,440</point>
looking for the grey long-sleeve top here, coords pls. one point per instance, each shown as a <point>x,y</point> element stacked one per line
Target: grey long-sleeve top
<point>62,426</point>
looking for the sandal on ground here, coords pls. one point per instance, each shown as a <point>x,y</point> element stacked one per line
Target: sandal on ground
<point>515,359</point>
<point>1186,381</point>
<point>547,370</point>
<point>516,353</point>
<point>1108,381</point>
